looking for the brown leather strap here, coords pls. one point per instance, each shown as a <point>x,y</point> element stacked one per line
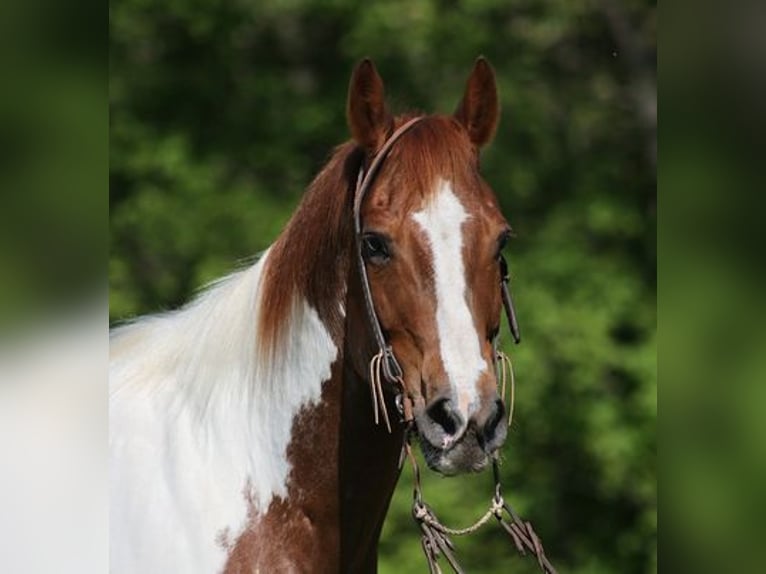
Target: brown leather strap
<point>391,368</point>
<point>505,290</point>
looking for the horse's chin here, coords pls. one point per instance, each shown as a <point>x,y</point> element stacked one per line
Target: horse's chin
<point>463,457</point>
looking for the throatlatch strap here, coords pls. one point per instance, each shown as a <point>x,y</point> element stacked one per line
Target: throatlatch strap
<point>505,290</point>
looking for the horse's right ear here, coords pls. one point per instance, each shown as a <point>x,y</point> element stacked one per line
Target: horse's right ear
<point>368,117</point>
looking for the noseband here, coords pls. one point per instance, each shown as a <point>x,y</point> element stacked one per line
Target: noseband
<point>385,360</point>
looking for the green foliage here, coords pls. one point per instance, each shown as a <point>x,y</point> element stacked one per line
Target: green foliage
<point>222,112</point>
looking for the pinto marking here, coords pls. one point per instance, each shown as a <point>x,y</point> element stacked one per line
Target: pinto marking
<point>196,416</point>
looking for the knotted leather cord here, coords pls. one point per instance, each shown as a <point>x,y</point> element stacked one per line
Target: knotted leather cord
<point>376,388</point>
<point>435,536</point>
<point>503,361</point>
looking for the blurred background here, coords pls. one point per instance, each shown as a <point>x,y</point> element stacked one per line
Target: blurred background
<point>221,113</point>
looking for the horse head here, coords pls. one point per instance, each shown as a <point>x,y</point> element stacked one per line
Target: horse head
<point>431,235</point>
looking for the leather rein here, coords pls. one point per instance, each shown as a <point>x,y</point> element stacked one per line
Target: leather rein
<point>435,537</point>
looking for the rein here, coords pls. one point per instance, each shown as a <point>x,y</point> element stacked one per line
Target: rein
<point>435,536</point>
<point>435,539</point>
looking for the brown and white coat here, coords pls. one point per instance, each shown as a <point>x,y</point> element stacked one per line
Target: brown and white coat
<point>241,431</point>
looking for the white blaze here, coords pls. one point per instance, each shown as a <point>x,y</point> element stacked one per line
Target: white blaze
<point>442,220</point>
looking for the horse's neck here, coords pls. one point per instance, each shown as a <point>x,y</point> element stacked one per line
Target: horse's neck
<point>343,469</point>
<point>368,454</point>
<point>368,472</point>
<point>295,434</point>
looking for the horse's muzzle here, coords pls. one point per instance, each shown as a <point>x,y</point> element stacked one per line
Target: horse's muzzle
<point>452,445</point>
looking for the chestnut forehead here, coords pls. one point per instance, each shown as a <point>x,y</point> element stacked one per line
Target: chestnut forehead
<point>437,149</point>
<point>392,202</point>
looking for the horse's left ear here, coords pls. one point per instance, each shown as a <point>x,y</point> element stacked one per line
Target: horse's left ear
<point>479,109</point>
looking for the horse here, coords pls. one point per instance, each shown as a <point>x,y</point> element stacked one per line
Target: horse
<point>246,427</point>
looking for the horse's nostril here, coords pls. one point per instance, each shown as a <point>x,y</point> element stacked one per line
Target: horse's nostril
<point>491,426</point>
<point>442,413</point>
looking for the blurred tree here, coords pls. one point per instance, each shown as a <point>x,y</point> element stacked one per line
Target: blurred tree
<point>222,112</point>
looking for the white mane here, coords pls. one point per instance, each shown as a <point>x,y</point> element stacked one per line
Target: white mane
<point>199,423</point>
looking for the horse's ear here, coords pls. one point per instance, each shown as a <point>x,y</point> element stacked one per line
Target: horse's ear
<point>479,109</point>
<point>368,117</point>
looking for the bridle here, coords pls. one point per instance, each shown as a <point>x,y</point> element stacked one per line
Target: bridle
<point>385,358</point>
<point>435,539</point>
<point>385,361</point>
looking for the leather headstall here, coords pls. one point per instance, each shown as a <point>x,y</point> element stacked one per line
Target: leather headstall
<point>385,361</point>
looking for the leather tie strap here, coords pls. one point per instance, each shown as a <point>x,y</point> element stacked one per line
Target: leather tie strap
<point>505,291</point>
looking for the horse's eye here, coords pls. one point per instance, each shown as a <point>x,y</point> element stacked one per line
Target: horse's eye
<point>502,241</point>
<point>375,248</point>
